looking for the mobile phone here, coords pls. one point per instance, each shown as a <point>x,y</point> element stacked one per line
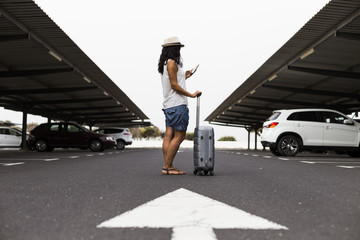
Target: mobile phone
<point>194,69</point>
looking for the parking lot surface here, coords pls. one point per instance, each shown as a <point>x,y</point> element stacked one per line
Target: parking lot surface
<point>74,194</point>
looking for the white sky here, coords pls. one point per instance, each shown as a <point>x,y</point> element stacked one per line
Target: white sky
<point>230,39</point>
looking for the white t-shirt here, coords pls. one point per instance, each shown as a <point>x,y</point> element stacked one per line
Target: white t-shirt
<point>171,97</point>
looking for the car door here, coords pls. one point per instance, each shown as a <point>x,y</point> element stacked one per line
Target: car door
<point>307,125</point>
<point>75,136</point>
<point>337,133</point>
<point>9,138</point>
<point>4,136</point>
<point>14,139</point>
<point>53,134</point>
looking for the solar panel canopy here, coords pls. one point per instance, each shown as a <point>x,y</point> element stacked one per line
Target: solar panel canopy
<point>43,72</point>
<point>319,67</point>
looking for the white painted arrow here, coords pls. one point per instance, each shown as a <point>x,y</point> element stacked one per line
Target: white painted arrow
<point>190,215</point>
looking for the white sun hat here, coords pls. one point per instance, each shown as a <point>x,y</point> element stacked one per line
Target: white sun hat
<point>172,41</point>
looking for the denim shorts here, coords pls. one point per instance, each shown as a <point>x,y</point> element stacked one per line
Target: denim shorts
<point>177,117</point>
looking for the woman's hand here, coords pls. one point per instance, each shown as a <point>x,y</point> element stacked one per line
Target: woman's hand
<point>188,74</point>
<point>194,95</point>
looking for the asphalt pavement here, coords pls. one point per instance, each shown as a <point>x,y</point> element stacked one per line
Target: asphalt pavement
<point>69,194</point>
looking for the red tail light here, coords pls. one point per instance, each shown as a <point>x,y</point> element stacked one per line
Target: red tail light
<point>272,125</point>
<point>127,134</point>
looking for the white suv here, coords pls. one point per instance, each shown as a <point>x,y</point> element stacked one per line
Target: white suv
<point>122,136</point>
<point>287,132</point>
<point>10,137</point>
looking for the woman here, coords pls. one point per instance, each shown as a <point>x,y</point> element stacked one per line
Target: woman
<point>175,102</point>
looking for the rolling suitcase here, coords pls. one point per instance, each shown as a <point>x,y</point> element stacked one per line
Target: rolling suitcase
<point>204,147</point>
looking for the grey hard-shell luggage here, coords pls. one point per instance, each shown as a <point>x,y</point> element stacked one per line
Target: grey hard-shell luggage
<point>204,147</point>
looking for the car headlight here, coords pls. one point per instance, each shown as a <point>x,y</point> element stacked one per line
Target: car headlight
<point>110,138</point>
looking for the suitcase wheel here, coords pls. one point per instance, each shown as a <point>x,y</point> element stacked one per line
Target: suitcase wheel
<point>204,172</point>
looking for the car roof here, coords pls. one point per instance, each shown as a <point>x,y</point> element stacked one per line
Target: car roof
<point>9,128</point>
<point>111,128</point>
<point>53,123</point>
<point>305,110</point>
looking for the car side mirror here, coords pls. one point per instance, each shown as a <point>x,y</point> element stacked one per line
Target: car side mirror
<point>348,122</point>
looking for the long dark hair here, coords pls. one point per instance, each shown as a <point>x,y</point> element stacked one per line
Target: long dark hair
<point>170,52</point>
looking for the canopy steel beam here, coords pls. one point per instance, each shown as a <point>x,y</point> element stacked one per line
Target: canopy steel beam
<point>102,113</point>
<point>253,119</point>
<point>111,121</point>
<point>254,107</point>
<point>228,124</point>
<point>339,107</point>
<point>313,91</point>
<point>125,124</point>
<point>6,38</point>
<point>233,123</point>
<point>85,108</point>
<point>110,118</point>
<point>286,102</point>
<point>44,90</point>
<point>67,101</point>
<point>346,35</point>
<point>326,72</point>
<point>242,113</point>
<point>34,72</point>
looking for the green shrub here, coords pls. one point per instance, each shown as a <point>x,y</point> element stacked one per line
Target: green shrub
<point>227,138</point>
<point>150,132</point>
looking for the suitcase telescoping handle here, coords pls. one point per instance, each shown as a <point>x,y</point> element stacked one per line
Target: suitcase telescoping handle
<point>198,110</point>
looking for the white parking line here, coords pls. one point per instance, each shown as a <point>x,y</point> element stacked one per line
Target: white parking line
<point>284,159</point>
<point>90,155</point>
<point>348,167</point>
<point>22,159</point>
<point>51,159</point>
<point>267,157</point>
<point>327,162</point>
<point>254,155</point>
<point>74,157</point>
<point>12,164</point>
<point>238,153</point>
<point>307,162</point>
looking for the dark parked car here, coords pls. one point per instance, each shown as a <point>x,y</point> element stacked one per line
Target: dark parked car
<point>48,136</point>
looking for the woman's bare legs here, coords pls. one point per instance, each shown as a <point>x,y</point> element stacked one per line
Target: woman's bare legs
<point>171,144</point>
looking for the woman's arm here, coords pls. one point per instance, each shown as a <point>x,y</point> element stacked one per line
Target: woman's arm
<point>172,70</point>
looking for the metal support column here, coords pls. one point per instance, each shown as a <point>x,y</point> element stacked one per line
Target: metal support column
<point>24,128</point>
<point>248,130</point>
<point>255,139</point>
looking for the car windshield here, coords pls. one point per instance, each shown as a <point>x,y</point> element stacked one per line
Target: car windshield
<point>79,126</point>
<point>274,116</point>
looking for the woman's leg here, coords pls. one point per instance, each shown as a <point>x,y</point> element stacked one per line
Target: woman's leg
<point>171,147</point>
<point>169,135</point>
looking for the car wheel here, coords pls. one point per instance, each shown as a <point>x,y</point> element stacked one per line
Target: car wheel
<point>288,145</point>
<point>120,145</point>
<point>96,146</point>
<point>41,145</point>
<point>274,151</point>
